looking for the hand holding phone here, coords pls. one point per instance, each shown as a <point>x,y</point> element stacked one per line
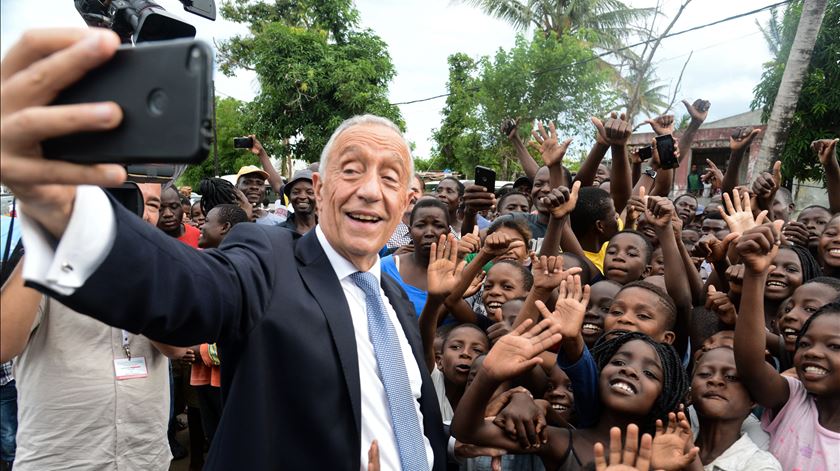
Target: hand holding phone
<point>665,148</point>
<point>243,142</point>
<point>485,177</point>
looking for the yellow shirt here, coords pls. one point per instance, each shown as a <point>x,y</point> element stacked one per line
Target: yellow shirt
<point>597,258</point>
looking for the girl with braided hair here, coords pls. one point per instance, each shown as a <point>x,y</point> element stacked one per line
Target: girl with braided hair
<point>640,381</point>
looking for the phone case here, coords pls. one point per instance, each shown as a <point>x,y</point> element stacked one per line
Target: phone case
<point>165,91</point>
<point>485,177</point>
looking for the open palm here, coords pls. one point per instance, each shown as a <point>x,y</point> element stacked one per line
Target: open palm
<point>737,212</point>
<point>672,445</point>
<point>444,270</point>
<point>516,352</point>
<point>572,300</point>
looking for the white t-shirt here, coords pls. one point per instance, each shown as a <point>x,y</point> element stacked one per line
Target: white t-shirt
<point>744,455</point>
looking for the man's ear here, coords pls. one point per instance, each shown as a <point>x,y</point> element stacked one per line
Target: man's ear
<point>226,227</point>
<point>669,337</point>
<point>599,226</point>
<point>317,185</point>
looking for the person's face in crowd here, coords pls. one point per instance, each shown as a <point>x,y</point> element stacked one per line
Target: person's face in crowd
<point>253,186</point>
<point>476,366</point>
<point>782,209</point>
<point>690,238</point>
<point>517,254</point>
<point>416,188</point>
<point>693,168</point>
<point>171,211</point>
<point>213,231</point>
<point>302,197</point>
<point>558,393</point>
<point>686,207</point>
<point>798,308</point>
<point>785,278</point>
<point>815,219</point>
<point>197,215</point>
<point>716,389</point>
<point>657,262</point>
<point>624,260</point>
<point>711,208</point>
<point>631,381</point>
<point>151,202</point>
<point>715,227</point>
<point>610,223</point>
<point>428,225</point>
<point>504,282</point>
<point>723,338</point>
<point>186,209</point>
<point>447,191</point>
<point>541,188</point>
<point>523,188</point>
<point>510,310</point>
<point>829,245</point>
<point>817,359</point>
<point>460,349</point>
<point>637,309</point>
<point>515,203</point>
<point>600,299</point>
<point>363,191</point>
<point>603,173</point>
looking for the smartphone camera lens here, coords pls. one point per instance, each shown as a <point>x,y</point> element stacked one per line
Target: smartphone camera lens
<point>157,102</point>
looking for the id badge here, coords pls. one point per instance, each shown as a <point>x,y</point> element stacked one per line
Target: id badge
<point>130,368</point>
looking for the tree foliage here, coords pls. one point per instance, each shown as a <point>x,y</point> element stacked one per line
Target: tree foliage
<point>231,121</point>
<point>817,113</point>
<point>545,78</point>
<point>315,69</point>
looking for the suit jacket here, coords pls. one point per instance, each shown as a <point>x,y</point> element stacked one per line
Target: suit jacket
<point>270,298</point>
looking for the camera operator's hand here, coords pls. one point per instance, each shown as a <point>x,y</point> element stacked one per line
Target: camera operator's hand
<point>256,147</point>
<point>34,71</point>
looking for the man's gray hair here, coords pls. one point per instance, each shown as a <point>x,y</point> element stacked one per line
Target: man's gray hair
<point>361,120</point>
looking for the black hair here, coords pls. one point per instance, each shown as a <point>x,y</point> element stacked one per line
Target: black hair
<point>816,206</point>
<point>810,266</point>
<point>514,221</point>
<point>593,205</point>
<point>686,195</point>
<point>184,199</point>
<point>786,196</point>
<point>527,277</point>
<point>585,271</point>
<point>429,203</point>
<point>648,246</point>
<point>500,201</point>
<point>830,308</point>
<point>469,325</point>
<point>231,214</point>
<point>457,182</point>
<point>830,281</point>
<point>674,382</point>
<point>216,191</point>
<point>664,298</point>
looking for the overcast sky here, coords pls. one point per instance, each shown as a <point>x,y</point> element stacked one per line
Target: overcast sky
<point>420,34</point>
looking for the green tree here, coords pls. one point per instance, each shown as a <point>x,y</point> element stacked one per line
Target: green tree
<point>231,122</point>
<point>315,69</point>
<point>817,112</point>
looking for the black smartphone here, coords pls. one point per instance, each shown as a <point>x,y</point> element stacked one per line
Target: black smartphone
<point>665,147</point>
<point>165,90</point>
<point>130,196</point>
<point>243,142</point>
<point>645,152</point>
<point>485,177</point>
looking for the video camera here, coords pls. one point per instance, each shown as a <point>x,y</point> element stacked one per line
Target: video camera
<point>143,20</point>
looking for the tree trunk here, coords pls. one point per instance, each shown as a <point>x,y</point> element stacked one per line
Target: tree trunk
<point>781,117</point>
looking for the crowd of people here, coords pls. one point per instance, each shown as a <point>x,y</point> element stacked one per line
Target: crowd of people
<point>600,319</point>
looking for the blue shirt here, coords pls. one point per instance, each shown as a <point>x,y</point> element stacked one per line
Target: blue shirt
<point>416,295</point>
<point>5,222</point>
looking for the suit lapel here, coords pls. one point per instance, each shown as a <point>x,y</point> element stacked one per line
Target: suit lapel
<point>318,275</point>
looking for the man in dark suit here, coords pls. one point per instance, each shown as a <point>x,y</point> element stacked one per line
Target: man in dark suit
<point>321,353</point>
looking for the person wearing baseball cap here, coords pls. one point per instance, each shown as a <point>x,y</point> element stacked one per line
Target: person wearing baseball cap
<point>250,180</point>
<point>301,195</point>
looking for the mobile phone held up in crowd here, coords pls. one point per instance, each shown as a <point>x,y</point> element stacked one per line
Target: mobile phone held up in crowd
<point>243,142</point>
<point>665,147</point>
<point>485,177</point>
<point>645,153</point>
<point>164,89</point>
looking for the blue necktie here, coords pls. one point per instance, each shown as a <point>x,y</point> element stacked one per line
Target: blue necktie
<point>392,371</point>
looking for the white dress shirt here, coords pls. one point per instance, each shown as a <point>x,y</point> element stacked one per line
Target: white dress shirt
<point>89,238</point>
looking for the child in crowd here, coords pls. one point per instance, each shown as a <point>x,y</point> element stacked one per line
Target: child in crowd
<point>628,257</point>
<point>829,247</point>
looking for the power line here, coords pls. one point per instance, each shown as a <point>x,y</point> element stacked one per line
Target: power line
<point>604,54</point>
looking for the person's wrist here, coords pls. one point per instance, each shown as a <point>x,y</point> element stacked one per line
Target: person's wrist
<point>663,229</point>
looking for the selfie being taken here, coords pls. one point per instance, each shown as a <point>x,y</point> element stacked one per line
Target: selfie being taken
<point>420,235</point>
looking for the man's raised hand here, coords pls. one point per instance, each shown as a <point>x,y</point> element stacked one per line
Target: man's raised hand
<point>741,139</point>
<point>662,124</point>
<point>560,201</point>
<point>615,131</point>
<point>551,149</point>
<point>824,148</point>
<point>698,110</point>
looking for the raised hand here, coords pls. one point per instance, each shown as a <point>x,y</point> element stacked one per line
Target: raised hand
<point>444,269</point>
<point>615,131</point>
<point>635,456</point>
<point>795,233</point>
<point>662,124</point>
<point>498,244</point>
<point>523,420</point>
<point>759,245</point>
<point>475,284</point>
<point>741,139</point>
<point>719,303</point>
<point>672,445</point>
<point>659,212</point>
<point>560,201</point>
<point>548,272</point>
<point>766,184</point>
<point>738,213</point>
<point>698,110</point>
<point>572,299</point>
<point>551,149</point>
<point>824,148</point>
<point>635,207</point>
<point>713,175</point>
<point>257,147</point>
<point>735,277</point>
<point>516,352</point>
<point>477,198</point>
<point>470,243</point>
<point>713,249</point>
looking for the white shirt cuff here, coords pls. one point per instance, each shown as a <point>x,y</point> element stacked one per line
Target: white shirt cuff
<point>84,245</point>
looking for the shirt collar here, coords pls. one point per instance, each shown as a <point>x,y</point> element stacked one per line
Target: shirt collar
<point>734,456</point>
<point>342,267</point>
